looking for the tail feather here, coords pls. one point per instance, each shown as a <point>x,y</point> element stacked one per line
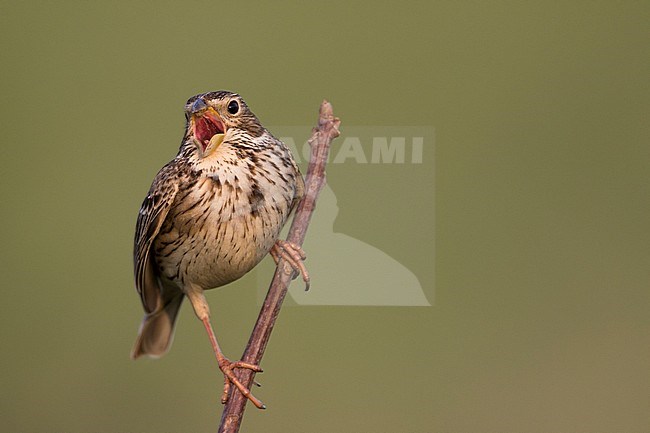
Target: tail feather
<point>157,328</point>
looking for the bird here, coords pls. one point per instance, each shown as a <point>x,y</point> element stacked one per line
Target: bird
<point>211,215</point>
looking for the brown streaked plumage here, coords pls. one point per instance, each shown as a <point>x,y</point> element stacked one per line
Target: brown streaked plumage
<point>211,215</point>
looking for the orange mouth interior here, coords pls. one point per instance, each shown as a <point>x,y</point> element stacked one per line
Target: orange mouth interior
<point>205,127</point>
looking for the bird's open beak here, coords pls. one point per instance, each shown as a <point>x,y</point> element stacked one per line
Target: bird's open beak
<point>207,131</point>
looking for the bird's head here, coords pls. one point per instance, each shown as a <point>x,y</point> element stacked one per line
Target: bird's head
<point>213,117</point>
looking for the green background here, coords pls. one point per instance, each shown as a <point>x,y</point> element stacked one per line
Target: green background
<point>540,321</point>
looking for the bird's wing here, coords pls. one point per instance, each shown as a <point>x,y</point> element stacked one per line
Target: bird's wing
<point>300,189</point>
<point>152,214</point>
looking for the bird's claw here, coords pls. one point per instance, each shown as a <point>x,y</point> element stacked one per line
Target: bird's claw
<point>227,367</point>
<point>294,255</point>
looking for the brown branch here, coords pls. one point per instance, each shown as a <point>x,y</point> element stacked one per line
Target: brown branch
<point>322,136</point>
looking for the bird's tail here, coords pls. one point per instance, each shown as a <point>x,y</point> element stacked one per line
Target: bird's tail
<point>157,328</point>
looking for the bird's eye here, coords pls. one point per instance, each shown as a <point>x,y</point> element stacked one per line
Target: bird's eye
<point>233,107</point>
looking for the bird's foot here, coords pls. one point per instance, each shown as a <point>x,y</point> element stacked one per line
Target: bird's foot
<point>227,367</point>
<point>294,255</point>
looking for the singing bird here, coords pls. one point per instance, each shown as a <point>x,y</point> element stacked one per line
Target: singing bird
<point>210,216</point>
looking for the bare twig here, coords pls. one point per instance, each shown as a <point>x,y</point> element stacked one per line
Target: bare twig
<point>322,136</point>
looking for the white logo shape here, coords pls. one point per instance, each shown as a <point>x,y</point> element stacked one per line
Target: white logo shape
<point>345,270</point>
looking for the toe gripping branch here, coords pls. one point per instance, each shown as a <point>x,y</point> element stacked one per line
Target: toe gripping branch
<point>294,255</point>
<point>227,367</point>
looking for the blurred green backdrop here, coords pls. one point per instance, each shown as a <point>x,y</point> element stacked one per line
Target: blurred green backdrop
<point>540,321</point>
